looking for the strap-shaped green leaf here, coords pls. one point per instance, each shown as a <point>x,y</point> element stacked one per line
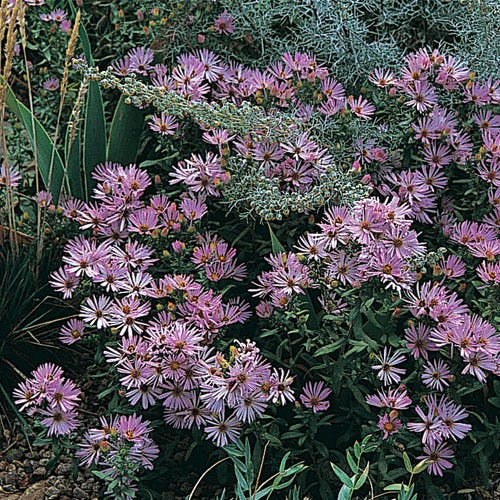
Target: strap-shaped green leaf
<point>94,128</point>
<point>73,165</point>
<point>94,134</point>
<point>125,133</point>
<point>44,146</point>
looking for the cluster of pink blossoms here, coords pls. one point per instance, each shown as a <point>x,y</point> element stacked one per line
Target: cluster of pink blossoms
<point>51,397</point>
<point>119,438</point>
<point>443,140</point>
<point>166,322</point>
<point>59,17</point>
<point>297,82</point>
<point>371,240</point>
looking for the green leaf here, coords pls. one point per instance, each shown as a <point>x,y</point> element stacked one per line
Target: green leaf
<point>327,349</point>
<point>107,391</point>
<point>94,128</point>
<point>125,133</point>
<point>363,477</point>
<point>421,466</point>
<point>357,449</point>
<point>352,462</point>
<point>241,480</point>
<point>283,461</point>
<point>342,475</point>
<point>44,146</point>
<point>344,493</point>
<point>407,462</point>
<point>73,165</point>
<point>101,475</point>
<point>395,487</point>
<point>275,243</point>
<point>94,136</point>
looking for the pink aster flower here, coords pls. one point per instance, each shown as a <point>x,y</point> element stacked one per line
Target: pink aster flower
<point>43,198</point>
<point>437,456</point>
<point>418,340</point>
<point>9,176</point>
<point>281,389</point>
<point>65,281</point>
<point>140,59</point>
<point>431,424</point>
<point>451,414</point>
<point>51,84</point>
<point>163,124</point>
<point>121,67</point>
<point>387,370</point>
<point>344,267</point>
<point>96,310</point>
<point>381,78</point>
<point>361,107</point>
<point>389,425</point>
<point>72,331</point>
<point>58,422</point>
<point>397,399</point>
<point>423,96</point>
<point>489,272</point>
<point>223,430</point>
<point>425,129</point>
<point>452,267</point>
<point>66,26</point>
<point>315,396</point>
<point>63,395</point>
<point>436,375</point>
<point>478,363</point>
<point>24,394</point>
<point>224,24</point>
<point>437,155</point>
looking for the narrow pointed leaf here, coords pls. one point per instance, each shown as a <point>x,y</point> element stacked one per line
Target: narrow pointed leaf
<point>94,139</point>
<point>363,477</point>
<point>407,462</point>
<point>125,133</point>
<point>342,476</point>
<point>94,128</point>
<point>275,243</point>
<point>73,165</point>
<point>44,146</point>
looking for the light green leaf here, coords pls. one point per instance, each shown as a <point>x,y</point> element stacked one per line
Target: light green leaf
<point>342,476</point>
<point>407,462</point>
<point>361,480</point>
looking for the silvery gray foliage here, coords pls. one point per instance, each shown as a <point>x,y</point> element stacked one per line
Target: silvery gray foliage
<point>355,36</point>
<point>250,192</point>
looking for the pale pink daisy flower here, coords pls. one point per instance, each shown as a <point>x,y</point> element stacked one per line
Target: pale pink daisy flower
<point>389,425</point>
<point>315,396</point>
<point>163,124</point>
<point>387,370</point>
<point>436,375</point>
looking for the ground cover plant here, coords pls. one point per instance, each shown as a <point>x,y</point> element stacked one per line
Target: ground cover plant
<point>261,238</point>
